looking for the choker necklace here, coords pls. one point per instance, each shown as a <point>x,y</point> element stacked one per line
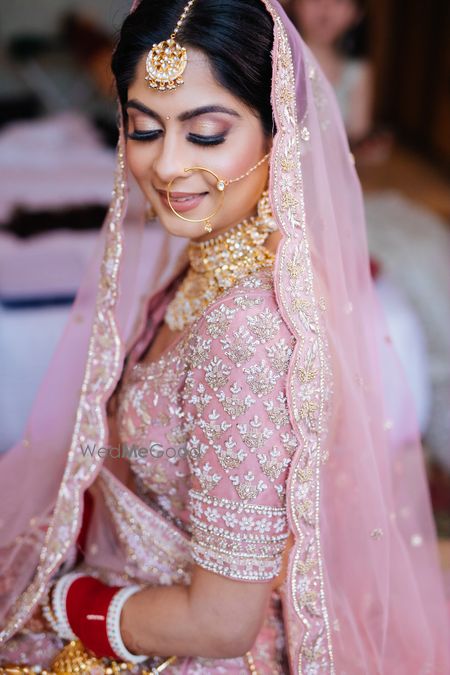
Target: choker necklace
<point>219,262</point>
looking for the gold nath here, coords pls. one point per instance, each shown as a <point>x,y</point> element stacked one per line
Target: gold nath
<point>220,183</point>
<point>167,60</point>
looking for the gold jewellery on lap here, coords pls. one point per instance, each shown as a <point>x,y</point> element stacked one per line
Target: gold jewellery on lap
<point>74,658</point>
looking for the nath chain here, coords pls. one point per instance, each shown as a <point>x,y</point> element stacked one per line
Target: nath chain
<point>247,173</point>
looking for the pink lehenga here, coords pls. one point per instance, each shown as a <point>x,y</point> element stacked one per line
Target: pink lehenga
<point>272,407</point>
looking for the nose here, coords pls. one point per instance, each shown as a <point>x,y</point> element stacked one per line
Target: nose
<point>169,163</point>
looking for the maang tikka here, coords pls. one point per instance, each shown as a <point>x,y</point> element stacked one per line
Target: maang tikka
<point>167,60</point>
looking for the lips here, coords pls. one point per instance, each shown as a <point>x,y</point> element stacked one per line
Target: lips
<point>182,201</point>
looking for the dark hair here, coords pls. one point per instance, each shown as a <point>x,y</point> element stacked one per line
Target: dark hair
<point>235,35</point>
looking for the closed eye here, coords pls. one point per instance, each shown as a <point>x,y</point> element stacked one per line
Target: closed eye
<point>217,139</point>
<point>198,139</point>
<point>145,135</point>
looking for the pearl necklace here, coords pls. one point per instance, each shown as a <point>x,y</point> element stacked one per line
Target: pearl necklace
<point>219,262</point>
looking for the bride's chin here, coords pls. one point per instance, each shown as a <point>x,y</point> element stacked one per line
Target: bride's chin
<point>181,229</point>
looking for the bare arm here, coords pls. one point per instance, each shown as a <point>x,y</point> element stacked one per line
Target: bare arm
<point>214,617</point>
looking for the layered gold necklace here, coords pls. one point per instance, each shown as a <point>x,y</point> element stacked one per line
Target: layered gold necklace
<point>219,262</point>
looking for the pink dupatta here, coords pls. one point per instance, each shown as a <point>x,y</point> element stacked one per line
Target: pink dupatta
<point>364,592</point>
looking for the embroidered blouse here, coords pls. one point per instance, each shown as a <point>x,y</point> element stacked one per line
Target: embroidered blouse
<point>208,433</point>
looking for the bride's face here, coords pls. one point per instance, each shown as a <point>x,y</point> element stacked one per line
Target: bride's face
<point>200,123</point>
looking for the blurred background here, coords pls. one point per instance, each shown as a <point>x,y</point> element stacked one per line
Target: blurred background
<point>389,62</point>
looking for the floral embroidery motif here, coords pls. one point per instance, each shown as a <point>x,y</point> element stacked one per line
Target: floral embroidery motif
<point>240,346</point>
<point>219,320</point>
<point>264,281</point>
<point>247,486</point>
<point>273,466</point>
<point>211,429</point>
<point>264,325</point>
<point>201,351</point>
<point>207,480</point>
<point>228,456</point>
<point>279,415</point>
<point>260,378</point>
<point>280,356</point>
<point>234,405</point>
<point>201,398</point>
<point>290,443</point>
<point>217,373</point>
<point>253,435</point>
<point>195,448</point>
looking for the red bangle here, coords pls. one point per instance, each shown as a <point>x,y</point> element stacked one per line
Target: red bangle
<point>87,605</point>
<point>76,599</point>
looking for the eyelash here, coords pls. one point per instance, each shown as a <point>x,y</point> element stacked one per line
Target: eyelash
<point>193,138</point>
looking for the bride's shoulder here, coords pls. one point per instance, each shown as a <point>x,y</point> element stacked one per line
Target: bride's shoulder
<point>241,343</point>
<point>248,310</point>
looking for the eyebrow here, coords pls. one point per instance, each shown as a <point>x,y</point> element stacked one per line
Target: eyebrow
<point>183,117</point>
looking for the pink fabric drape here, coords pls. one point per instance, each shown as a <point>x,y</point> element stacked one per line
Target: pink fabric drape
<point>364,593</point>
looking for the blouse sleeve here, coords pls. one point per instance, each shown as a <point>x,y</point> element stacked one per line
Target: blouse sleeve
<point>241,443</point>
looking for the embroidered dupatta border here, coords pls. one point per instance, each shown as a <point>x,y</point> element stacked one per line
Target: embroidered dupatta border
<point>102,365</point>
<point>309,383</point>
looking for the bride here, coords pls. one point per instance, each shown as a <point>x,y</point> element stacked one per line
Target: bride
<point>210,480</point>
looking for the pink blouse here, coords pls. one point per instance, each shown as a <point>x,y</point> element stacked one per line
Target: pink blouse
<point>208,433</point>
